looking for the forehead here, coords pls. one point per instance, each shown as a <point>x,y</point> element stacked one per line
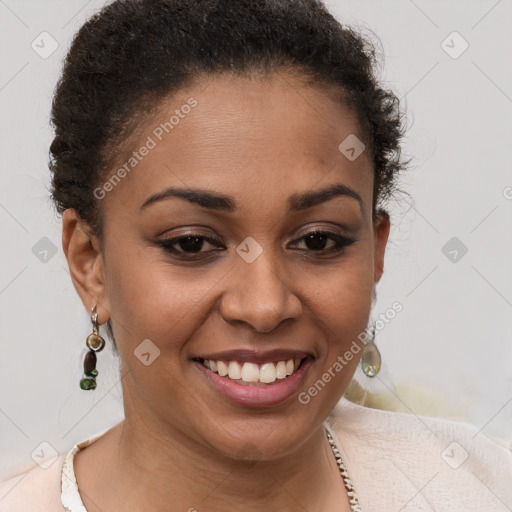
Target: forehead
<point>246,137</point>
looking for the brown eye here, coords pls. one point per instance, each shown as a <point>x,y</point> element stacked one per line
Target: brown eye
<point>187,244</point>
<point>316,241</point>
<point>191,243</point>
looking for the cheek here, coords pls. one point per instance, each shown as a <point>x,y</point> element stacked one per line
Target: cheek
<point>341,304</point>
<point>342,296</point>
<point>153,299</point>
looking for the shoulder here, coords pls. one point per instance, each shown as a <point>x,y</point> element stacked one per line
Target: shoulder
<point>35,489</point>
<point>44,487</point>
<point>438,458</point>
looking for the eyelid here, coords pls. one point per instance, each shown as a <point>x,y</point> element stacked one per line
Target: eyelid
<point>322,227</point>
<point>176,238</point>
<point>192,232</point>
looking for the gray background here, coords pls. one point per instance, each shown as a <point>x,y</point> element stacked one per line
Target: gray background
<point>452,338</point>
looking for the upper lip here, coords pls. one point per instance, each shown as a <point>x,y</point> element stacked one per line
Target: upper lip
<point>255,356</point>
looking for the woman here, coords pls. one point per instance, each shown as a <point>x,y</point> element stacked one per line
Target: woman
<point>222,168</point>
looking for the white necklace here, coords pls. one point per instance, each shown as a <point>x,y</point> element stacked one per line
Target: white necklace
<point>352,496</point>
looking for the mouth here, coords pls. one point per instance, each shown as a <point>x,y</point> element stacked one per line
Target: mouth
<point>247,373</point>
<point>255,381</point>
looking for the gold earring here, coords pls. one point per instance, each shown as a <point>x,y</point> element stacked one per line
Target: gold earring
<point>95,343</point>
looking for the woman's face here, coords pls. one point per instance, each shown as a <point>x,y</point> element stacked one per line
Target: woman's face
<point>253,287</point>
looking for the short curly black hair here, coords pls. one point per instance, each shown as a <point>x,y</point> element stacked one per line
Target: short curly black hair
<point>133,53</point>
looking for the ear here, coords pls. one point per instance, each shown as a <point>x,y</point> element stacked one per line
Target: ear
<point>381,228</point>
<point>85,263</point>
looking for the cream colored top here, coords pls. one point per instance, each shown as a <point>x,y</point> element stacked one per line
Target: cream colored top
<point>70,497</point>
<point>395,460</point>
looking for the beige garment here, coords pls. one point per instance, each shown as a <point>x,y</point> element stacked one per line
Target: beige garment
<point>396,461</point>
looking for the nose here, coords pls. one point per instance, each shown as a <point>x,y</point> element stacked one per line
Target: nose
<point>259,295</point>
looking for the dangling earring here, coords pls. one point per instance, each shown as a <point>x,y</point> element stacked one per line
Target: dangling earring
<point>95,343</point>
<point>371,359</point>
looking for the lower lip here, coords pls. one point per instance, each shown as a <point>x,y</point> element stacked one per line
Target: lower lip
<point>257,396</point>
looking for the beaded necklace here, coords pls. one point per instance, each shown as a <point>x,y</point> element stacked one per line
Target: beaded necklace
<point>352,496</point>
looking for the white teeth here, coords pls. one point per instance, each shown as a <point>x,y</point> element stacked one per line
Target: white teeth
<point>234,370</point>
<point>281,370</point>
<point>222,368</point>
<point>268,373</point>
<point>252,372</point>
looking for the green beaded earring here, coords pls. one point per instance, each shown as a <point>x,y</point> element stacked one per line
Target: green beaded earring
<point>95,343</point>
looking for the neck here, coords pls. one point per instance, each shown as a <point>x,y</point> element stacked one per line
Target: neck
<point>161,470</point>
<point>180,471</point>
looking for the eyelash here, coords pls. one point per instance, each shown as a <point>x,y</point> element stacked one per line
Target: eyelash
<point>341,242</point>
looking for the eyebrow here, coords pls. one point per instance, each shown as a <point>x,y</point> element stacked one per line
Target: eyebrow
<point>221,202</point>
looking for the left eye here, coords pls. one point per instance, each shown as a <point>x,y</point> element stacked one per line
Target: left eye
<point>316,241</point>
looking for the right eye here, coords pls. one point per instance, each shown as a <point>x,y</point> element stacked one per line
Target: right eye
<point>191,243</point>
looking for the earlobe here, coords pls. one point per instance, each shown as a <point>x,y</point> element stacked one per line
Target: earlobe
<point>85,263</point>
<point>382,226</point>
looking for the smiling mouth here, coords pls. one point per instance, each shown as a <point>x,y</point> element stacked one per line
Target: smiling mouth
<point>253,374</point>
